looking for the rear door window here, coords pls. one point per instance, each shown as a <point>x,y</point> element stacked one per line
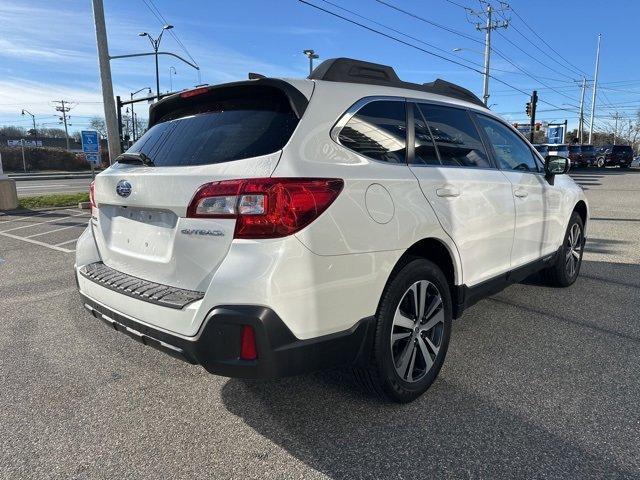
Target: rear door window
<point>227,130</point>
<point>378,131</point>
<point>455,136</point>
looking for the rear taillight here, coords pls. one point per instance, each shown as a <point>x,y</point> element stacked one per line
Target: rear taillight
<point>266,207</point>
<point>92,194</point>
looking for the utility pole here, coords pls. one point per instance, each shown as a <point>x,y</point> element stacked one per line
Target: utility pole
<point>581,117</point>
<point>64,109</point>
<point>113,139</point>
<point>488,27</point>
<point>616,116</point>
<point>595,89</point>
<point>534,103</point>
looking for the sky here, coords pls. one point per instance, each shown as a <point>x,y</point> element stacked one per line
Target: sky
<point>48,49</point>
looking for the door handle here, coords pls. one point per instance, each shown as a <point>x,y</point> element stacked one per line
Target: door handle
<point>520,193</point>
<point>448,192</point>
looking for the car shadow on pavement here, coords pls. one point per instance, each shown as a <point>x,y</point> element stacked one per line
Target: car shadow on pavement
<point>480,419</point>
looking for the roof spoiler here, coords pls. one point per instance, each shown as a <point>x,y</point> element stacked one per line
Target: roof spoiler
<point>187,98</point>
<point>358,71</point>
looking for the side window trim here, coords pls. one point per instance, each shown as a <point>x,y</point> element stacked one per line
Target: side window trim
<point>518,135</point>
<point>413,107</point>
<point>489,153</point>
<point>350,112</point>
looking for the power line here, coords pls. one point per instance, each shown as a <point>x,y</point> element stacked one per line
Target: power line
<point>532,57</point>
<point>545,42</point>
<point>397,31</point>
<point>496,51</point>
<point>391,37</point>
<point>517,30</point>
<point>158,14</point>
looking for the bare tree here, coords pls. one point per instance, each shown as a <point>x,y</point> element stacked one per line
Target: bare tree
<point>99,125</point>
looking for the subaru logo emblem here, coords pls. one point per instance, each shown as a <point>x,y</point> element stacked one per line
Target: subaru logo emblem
<point>123,188</point>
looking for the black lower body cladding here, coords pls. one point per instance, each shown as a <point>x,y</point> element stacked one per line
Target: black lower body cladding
<point>217,346</point>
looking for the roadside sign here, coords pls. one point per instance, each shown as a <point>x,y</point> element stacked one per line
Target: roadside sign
<point>555,134</point>
<point>93,158</point>
<point>524,129</point>
<point>90,142</point>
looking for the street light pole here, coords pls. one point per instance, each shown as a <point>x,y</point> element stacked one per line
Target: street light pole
<point>132,117</point>
<point>595,89</point>
<point>311,55</point>
<point>155,43</point>
<point>33,118</point>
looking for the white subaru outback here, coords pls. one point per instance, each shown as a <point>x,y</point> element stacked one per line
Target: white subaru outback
<point>272,227</point>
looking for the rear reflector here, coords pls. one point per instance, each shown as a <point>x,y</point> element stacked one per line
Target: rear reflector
<point>248,350</point>
<point>266,207</point>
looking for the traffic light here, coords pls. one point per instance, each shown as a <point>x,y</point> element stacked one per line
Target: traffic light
<point>538,126</point>
<point>515,125</point>
<point>528,110</point>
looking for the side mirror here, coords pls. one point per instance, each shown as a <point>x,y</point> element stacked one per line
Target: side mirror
<point>554,165</point>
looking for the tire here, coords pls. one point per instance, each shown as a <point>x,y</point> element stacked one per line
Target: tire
<point>600,163</point>
<point>398,369</point>
<point>566,268</point>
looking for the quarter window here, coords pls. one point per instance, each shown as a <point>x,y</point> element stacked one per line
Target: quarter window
<point>455,136</point>
<point>378,131</point>
<point>510,150</point>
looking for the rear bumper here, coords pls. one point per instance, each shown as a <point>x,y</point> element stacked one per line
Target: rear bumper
<point>217,345</point>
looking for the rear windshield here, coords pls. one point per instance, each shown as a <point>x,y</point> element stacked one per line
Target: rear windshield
<point>622,149</point>
<point>231,129</point>
<point>574,149</point>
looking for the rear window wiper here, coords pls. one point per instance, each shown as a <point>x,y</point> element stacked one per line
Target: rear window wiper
<point>131,157</point>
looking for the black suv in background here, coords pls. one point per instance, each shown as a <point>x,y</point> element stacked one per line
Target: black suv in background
<point>620,155</point>
<point>575,155</point>
<point>588,154</point>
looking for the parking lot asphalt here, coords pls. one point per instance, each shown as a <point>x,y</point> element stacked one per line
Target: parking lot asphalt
<point>538,382</point>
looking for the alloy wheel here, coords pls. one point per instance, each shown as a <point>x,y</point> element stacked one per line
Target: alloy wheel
<point>417,331</point>
<point>573,250</point>
<point>600,162</point>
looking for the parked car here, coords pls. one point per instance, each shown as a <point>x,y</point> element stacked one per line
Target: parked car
<point>558,149</point>
<point>575,155</point>
<point>614,155</point>
<point>543,150</point>
<point>272,227</point>
<point>588,153</point>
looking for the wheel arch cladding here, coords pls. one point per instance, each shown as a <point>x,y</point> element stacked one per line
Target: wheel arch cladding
<point>581,208</point>
<point>435,251</point>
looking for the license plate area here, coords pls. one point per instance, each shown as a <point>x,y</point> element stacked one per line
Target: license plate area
<point>140,231</point>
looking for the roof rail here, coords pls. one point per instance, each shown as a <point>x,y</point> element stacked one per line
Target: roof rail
<point>358,71</point>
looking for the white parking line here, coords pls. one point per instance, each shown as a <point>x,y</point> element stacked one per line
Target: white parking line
<point>64,243</point>
<point>25,217</point>
<point>41,223</point>
<point>56,230</point>
<point>36,242</point>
